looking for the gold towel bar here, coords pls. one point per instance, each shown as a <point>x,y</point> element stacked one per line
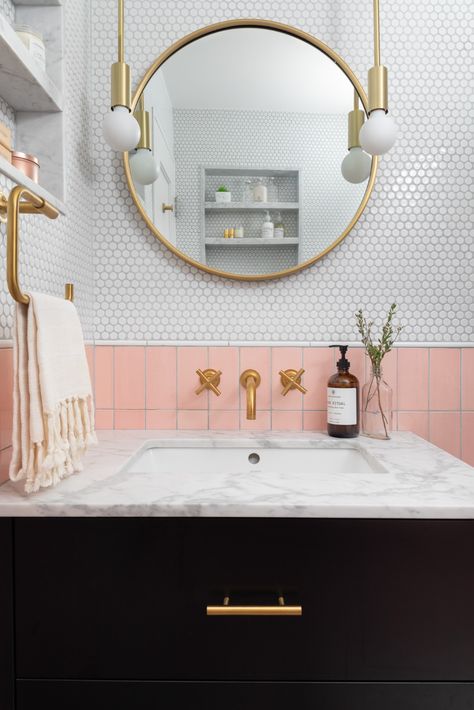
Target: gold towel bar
<point>12,209</point>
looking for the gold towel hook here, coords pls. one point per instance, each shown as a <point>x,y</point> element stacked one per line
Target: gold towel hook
<point>12,208</point>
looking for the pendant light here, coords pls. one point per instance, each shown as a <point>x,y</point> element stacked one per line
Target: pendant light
<point>379,132</point>
<point>356,165</point>
<point>142,163</point>
<point>120,129</point>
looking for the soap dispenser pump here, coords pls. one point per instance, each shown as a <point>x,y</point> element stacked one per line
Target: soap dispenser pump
<point>343,399</point>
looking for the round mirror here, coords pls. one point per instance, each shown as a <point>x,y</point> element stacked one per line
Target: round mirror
<point>243,168</point>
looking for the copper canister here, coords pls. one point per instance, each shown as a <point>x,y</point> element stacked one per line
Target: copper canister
<point>28,164</point>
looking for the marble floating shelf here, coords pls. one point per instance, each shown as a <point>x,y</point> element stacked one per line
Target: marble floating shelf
<point>37,3</point>
<point>217,206</point>
<point>19,178</point>
<point>24,85</point>
<point>250,242</point>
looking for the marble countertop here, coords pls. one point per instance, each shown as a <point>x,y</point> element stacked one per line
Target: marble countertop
<point>420,481</point>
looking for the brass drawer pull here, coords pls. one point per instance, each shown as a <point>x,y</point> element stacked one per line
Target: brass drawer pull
<point>279,610</point>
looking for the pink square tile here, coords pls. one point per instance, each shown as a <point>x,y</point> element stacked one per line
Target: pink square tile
<point>413,379</point>
<point>319,366</point>
<point>468,437</point>
<point>416,422</point>
<point>90,361</point>
<point>129,377</point>
<point>467,378</point>
<point>257,359</point>
<point>445,378</point>
<point>5,457</point>
<point>226,360</point>
<point>314,421</point>
<point>129,418</point>
<point>160,419</point>
<point>286,359</point>
<point>261,423</point>
<point>445,431</point>
<point>193,419</point>
<point>189,360</point>
<point>6,396</point>
<point>220,419</point>
<point>104,377</point>
<point>389,373</point>
<point>356,357</point>
<point>104,419</point>
<point>287,421</point>
<point>161,378</point>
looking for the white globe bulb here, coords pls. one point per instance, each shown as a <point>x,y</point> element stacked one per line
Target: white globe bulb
<point>120,129</point>
<point>356,165</point>
<point>378,133</point>
<point>143,166</point>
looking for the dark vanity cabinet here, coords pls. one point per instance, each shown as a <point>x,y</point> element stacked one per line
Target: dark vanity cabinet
<point>111,612</point>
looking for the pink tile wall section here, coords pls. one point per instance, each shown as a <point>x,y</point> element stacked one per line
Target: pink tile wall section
<point>433,389</point>
<point>139,387</point>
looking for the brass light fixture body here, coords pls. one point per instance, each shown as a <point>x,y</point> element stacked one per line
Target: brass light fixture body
<point>120,70</point>
<point>143,119</point>
<point>355,123</point>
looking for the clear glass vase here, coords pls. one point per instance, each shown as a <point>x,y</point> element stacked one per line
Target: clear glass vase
<point>377,406</point>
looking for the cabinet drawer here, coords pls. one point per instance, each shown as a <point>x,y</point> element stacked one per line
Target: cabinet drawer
<point>77,695</point>
<point>382,600</point>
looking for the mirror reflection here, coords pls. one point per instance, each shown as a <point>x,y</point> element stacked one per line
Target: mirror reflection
<point>241,171</point>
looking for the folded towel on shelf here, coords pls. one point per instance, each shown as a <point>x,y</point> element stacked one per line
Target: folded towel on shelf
<point>53,409</point>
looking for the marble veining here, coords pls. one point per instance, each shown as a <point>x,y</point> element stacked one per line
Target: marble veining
<point>420,481</point>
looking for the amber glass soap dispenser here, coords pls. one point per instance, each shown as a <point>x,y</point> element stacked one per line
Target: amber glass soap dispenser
<point>343,399</point>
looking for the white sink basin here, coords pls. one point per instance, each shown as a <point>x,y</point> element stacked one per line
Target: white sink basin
<point>232,459</point>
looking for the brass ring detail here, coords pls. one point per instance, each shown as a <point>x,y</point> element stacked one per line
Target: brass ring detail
<point>279,27</point>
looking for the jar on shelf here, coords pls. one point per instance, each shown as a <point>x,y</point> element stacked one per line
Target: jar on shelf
<point>260,192</point>
<point>33,41</point>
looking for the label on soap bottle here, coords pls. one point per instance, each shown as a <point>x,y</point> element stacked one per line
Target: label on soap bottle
<point>342,405</point>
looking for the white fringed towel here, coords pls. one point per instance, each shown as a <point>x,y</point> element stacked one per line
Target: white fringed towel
<point>53,410</point>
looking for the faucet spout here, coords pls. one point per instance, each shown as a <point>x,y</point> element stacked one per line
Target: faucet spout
<point>250,380</point>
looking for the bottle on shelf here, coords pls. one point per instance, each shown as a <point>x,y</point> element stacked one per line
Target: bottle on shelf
<point>267,227</point>
<point>279,231</point>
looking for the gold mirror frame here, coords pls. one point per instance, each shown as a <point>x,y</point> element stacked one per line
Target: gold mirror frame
<point>279,27</point>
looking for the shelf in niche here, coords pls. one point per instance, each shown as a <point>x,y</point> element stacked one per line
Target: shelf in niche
<point>38,3</point>
<point>250,242</point>
<point>19,178</point>
<point>250,206</point>
<point>24,85</point>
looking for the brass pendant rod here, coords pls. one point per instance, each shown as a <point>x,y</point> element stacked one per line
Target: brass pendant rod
<point>121,24</point>
<point>356,101</point>
<point>376,33</point>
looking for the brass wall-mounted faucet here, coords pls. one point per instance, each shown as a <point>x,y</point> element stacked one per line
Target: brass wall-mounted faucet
<point>250,380</point>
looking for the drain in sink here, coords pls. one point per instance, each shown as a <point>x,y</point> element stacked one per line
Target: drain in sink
<point>254,458</point>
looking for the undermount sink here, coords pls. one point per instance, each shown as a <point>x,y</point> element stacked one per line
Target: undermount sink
<point>266,460</point>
